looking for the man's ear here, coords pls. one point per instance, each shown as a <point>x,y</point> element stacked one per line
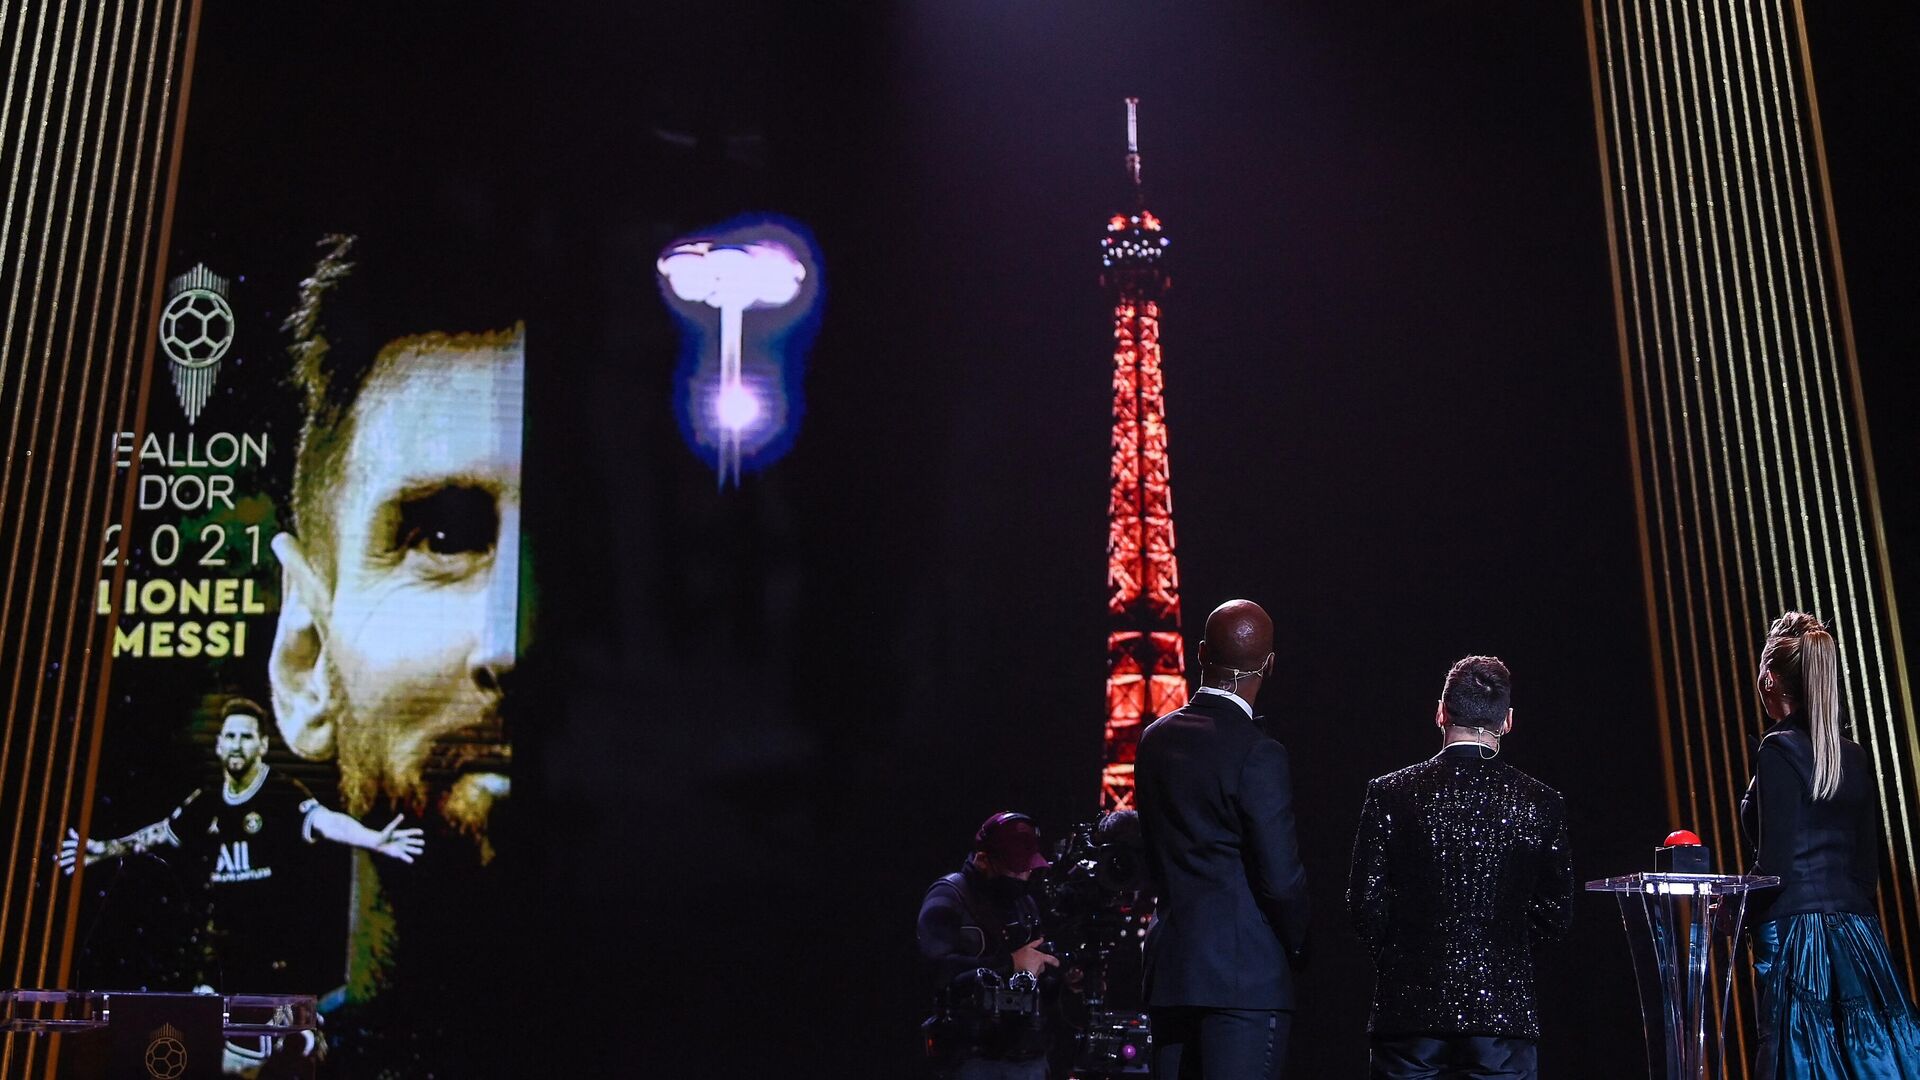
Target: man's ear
<point>297,666</point>
<point>1440,714</point>
<point>1508,726</point>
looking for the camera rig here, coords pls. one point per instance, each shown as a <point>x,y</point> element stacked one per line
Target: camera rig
<point>1096,912</point>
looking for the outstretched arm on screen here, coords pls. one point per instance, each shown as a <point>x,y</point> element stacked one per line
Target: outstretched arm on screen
<point>392,841</point>
<point>89,851</point>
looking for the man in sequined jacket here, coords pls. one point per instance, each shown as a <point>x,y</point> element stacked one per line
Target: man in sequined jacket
<point>1461,865</point>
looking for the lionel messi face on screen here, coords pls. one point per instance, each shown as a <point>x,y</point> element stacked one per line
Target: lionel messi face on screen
<point>396,645</point>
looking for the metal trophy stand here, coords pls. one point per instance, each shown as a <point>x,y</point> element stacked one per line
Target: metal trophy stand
<point>148,1035</point>
<point>1674,924</point>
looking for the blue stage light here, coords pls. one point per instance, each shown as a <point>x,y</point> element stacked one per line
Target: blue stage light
<point>747,296</point>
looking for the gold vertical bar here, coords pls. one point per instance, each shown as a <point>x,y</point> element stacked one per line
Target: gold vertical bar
<point>63,210</point>
<point>1713,563</point>
<point>6,111</point>
<point>1790,592</point>
<point>85,554</point>
<point>1628,399</point>
<point>1686,603</point>
<point>82,454</point>
<point>149,338</point>
<point>6,476</point>
<point>1734,708</point>
<point>110,354</point>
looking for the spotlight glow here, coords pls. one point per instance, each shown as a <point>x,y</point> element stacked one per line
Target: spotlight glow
<point>738,395</point>
<point>737,407</point>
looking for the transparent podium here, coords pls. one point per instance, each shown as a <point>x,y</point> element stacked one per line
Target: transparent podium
<point>141,1036</point>
<point>1683,930</point>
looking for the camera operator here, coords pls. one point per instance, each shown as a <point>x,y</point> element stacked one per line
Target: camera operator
<point>981,940</point>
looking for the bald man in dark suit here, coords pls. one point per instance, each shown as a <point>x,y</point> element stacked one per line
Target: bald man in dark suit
<point>1216,807</point>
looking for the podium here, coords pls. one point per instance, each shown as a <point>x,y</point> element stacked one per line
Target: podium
<point>149,1035</point>
<point>1676,927</point>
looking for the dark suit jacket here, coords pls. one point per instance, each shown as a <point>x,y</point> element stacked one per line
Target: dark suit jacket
<point>1216,809</point>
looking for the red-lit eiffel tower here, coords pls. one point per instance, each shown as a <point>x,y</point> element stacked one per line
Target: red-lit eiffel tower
<point>1146,665</point>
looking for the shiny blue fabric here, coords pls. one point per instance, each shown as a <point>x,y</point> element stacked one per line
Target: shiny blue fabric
<point>1831,1007</point>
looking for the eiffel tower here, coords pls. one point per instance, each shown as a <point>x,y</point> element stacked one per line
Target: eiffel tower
<point>1146,658</point>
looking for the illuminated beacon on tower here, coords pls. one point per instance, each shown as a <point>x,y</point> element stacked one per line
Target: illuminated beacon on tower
<point>1146,665</point>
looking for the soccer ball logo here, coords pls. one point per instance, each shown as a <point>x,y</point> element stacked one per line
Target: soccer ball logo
<point>196,328</point>
<point>166,1058</point>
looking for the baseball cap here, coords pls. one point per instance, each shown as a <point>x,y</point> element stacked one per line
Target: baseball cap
<point>1010,839</point>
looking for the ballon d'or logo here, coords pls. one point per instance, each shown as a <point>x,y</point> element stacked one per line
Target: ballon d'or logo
<point>196,330</point>
<point>166,1057</point>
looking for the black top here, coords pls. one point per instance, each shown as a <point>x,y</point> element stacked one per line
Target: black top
<point>1827,851</point>
<point>970,921</point>
<point>277,933</point>
<point>1461,864</point>
<point>965,920</point>
<point>1216,813</point>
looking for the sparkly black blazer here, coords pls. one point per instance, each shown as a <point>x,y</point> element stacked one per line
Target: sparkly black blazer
<point>1461,864</point>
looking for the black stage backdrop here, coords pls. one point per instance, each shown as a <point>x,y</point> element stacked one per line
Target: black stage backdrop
<point>762,720</point>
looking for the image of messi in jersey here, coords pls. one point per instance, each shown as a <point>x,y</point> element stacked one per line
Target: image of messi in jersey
<point>252,840</point>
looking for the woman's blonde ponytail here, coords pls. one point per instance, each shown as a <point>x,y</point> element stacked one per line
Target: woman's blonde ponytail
<point>1820,678</point>
<point>1801,653</point>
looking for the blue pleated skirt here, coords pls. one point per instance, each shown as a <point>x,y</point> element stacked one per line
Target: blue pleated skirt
<point>1831,1007</point>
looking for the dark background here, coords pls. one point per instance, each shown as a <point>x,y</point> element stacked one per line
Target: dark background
<point>758,722</point>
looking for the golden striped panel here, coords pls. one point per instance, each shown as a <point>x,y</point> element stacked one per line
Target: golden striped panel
<point>1747,428</point>
<point>90,126</point>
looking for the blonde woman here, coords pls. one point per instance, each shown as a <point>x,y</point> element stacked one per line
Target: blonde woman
<point>1831,1006</point>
